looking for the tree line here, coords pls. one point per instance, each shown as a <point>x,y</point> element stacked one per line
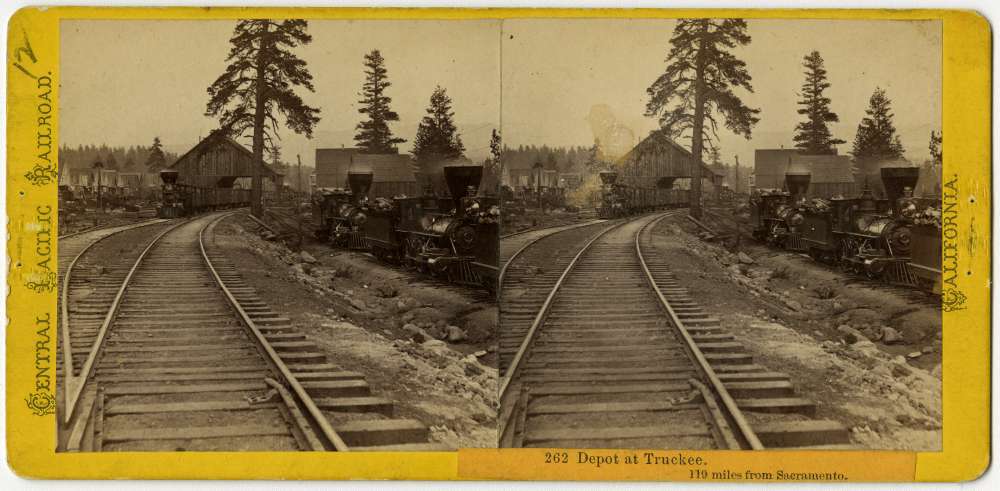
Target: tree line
<point>134,158</point>
<point>563,159</point>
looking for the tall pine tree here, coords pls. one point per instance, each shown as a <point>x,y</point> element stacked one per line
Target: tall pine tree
<point>259,84</point>
<point>813,136</point>
<point>876,138</point>
<point>156,160</point>
<point>596,161</point>
<point>698,82</point>
<point>437,135</point>
<point>374,135</point>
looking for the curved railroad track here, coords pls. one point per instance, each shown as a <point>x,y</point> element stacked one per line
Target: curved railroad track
<point>618,355</point>
<point>188,357</point>
<point>530,265</point>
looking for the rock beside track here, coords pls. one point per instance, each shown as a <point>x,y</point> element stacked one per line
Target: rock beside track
<point>387,324</point>
<point>847,343</point>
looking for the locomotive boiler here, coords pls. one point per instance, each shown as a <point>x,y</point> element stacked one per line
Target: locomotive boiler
<point>341,212</point>
<point>454,237</point>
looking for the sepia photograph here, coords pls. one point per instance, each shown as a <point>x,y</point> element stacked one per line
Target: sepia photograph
<point>723,234</point>
<point>278,235</point>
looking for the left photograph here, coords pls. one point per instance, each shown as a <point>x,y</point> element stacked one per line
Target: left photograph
<point>278,235</point>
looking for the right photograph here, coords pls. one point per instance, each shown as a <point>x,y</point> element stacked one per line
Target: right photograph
<point>721,234</point>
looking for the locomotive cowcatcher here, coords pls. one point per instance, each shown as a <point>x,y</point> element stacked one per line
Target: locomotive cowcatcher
<point>341,212</point>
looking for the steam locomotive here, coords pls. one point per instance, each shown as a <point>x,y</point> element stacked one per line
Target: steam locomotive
<point>863,235</point>
<point>618,200</point>
<point>182,200</point>
<point>453,237</point>
<point>341,212</point>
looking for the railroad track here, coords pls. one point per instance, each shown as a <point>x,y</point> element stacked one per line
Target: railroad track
<point>103,230</point>
<point>618,355</point>
<point>188,357</point>
<point>530,265</point>
<point>511,243</point>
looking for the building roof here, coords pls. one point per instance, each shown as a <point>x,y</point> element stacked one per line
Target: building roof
<point>218,138</point>
<point>660,138</point>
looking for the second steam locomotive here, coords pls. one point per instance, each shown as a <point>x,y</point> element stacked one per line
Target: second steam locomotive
<point>453,237</point>
<point>897,239</point>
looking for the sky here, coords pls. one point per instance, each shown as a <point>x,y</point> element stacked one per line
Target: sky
<point>543,82</point>
<point>124,82</point>
<point>559,75</point>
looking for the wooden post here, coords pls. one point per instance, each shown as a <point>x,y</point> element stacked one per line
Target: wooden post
<point>298,212</point>
<point>736,185</point>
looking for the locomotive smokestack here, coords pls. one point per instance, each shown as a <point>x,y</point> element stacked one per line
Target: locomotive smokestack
<point>460,178</point>
<point>896,179</point>
<point>360,183</point>
<point>608,176</point>
<point>169,176</point>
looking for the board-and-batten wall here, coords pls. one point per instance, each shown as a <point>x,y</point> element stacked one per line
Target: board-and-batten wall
<point>217,166</point>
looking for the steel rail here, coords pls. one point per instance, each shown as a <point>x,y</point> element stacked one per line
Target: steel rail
<point>148,221</point>
<point>515,364</point>
<point>727,400</point>
<point>76,385</point>
<point>503,269</point>
<point>538,229</point>
<point>67,348</point>
<point>317,415</point>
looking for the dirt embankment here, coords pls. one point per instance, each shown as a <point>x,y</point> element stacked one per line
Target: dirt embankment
<point>425,345</point>
<point>868,355</point>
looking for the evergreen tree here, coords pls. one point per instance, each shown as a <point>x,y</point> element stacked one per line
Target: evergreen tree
<point>156,160</point>
<point>374,135</point>
<point>935,147</point>
<point>596,161</point>
<point>129,165</point>
<point>698,82</point>
<point>491,167</point>
<point>437,135</point>
<point>259,83</point>
<point>276,158</point>
<point>813,136</point>
<point>876,138</point>
<point>111,162</point>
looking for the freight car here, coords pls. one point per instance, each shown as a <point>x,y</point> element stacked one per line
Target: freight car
<point>454,238</point>
<point>863,235</point>
<point>617,200</point>
<point>183,200</point>
<point>341,212</point>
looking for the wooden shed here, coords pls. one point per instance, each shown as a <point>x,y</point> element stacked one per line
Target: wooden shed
<point>218,161</point>
<point>657,161</point>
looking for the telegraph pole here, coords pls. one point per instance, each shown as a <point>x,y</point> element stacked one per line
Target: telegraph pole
<point>736,184</point>
<point>299,171</point>
<point>298,212</point>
